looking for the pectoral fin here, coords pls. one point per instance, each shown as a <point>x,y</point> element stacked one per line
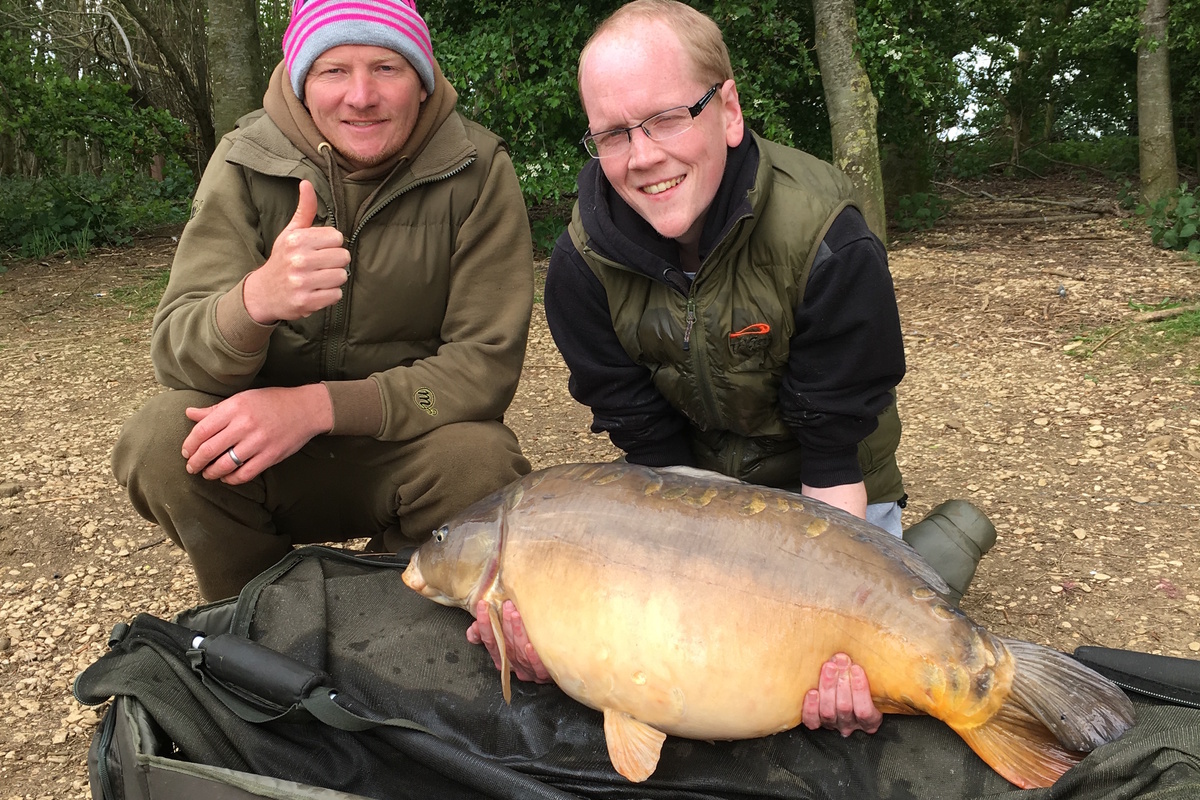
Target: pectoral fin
<point>498,632</point>
<point>633,747</point>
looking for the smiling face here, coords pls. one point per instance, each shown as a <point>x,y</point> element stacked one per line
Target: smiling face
<point>365,100</point>
<point>629,74</point>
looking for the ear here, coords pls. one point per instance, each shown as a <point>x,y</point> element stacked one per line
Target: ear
<point>735,125</point>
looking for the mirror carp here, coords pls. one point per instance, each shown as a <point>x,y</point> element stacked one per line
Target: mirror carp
<point>686,603</point>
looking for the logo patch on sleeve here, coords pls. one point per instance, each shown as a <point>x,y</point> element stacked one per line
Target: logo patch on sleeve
<point>425,400</point>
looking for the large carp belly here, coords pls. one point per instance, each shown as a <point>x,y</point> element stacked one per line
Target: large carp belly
<point>699,613</point>
<point>616,641</point>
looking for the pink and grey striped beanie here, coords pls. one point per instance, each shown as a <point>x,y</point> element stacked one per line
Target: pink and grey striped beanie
<point>318,25</point>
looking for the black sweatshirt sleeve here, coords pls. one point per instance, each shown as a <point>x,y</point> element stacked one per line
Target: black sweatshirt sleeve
<point>847,353</point>
<point>624,401</point>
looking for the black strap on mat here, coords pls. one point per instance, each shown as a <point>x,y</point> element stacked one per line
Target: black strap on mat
<point>1163,678</point>
<point>262,685</point>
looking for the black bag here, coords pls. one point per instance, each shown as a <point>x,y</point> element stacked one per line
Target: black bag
<point>328,678</point>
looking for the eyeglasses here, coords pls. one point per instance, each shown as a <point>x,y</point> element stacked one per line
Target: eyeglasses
<point>663,125</point>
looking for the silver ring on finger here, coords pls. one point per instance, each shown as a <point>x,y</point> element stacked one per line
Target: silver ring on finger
<point>237,462</point>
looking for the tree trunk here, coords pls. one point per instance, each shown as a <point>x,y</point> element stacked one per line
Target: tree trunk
<point>1196,135</point>
<point>235,61</point>
<point>853,109</point>
<point>8,155</point>
<point>1156,134</point>
<point>1018,106</point>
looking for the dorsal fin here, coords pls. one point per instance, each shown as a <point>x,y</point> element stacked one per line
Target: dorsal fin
<point>696,473</point>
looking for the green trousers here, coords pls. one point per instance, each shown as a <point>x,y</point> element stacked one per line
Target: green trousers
<point>333,489</point>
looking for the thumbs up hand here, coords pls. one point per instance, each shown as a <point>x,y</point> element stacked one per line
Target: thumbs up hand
<point>305,271</point>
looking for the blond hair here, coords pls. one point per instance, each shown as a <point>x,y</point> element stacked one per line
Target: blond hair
<point>699,35</point>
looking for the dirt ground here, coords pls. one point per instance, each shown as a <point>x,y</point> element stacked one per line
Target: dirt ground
<point>1031,391</point>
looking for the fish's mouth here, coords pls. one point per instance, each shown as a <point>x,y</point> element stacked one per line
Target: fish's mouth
<point>413,578</point>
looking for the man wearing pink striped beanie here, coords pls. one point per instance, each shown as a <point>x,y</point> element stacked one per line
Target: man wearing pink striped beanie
<point>346,316</point>
<point>318,25</point>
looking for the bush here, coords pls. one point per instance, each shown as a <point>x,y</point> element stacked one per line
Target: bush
<point>971,157</point>
<point>1174,220</point>
<point>45,215</point>
<point>918,212</point>
<point>53,116</point>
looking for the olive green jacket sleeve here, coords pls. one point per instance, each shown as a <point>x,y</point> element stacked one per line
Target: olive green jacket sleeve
<point>220,245</point>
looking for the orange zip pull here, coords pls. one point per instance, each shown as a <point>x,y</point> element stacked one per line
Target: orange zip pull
<point>757,329</point>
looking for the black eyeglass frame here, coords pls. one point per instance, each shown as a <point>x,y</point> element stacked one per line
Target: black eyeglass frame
<point>693,110</point>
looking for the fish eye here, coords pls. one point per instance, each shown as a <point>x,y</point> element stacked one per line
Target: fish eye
<point>440,534</point>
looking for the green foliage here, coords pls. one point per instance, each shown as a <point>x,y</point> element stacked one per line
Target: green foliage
<point>1179,329</point>
<point>546,230</point>
<point>1174,220</point>
<point>59,120</point>
<point>778,82</point>
<point>513,66</point>
<point>45,109</point>
<point>1127,195</point>
<point>975,157</point>
<point>76,212</point>
<point>1114,154</point>
<point>918,212</point>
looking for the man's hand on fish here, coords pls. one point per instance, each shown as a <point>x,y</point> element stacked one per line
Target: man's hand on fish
<point>521,656</point>
<point>842,700</point>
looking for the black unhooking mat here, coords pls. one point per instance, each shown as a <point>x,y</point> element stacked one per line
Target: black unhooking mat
<point>392,656</point>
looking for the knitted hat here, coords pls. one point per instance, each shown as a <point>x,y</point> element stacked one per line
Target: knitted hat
<point>318,25</point>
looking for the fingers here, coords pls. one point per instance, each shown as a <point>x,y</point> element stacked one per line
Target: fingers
<point>810,711</point>
<point>480,632</point>
<point>836,702</point>
<point>207,446</point>
<point>306,208</point>
<point>203,447</point>
<point>306,269</point>
<point>842,700</point>
<point>869,717</point>
<point>523,660</point>
<point>528,661</point>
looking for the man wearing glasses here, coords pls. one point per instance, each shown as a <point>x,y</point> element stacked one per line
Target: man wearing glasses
<point>718,298</point>
<point>720,301</point>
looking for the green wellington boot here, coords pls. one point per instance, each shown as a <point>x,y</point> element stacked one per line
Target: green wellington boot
<point>952,538</point>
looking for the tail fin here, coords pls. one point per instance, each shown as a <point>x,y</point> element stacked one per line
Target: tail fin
<point>1020,748</point>
<point>1058,710</point>
<point>1081,707</point>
